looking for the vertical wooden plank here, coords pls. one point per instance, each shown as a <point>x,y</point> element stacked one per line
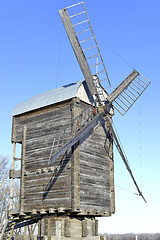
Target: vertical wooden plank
<point>13,130</point>
<point>58,230</point>
<point>67,227</point>
<point>22,170</point>
<point>12,179</point>
<point>112,186</point>
<point>75,178</point>
<point>39,228</point>
<point>75,168</point>
<point>49,226</point>
<point>89,227</point>
<point>111,163</point>
<point>42,227</point>
<point>84,227</point>
<point>96,227</point>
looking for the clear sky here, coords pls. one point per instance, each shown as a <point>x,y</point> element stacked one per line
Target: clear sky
<point>36,56</point>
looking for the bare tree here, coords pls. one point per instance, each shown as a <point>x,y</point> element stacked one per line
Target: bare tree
<point>4,186</point>
<point>3,170</point>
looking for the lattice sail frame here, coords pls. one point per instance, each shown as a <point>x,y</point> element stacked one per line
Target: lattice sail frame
<point>130,94</point>
<point>84,32</point>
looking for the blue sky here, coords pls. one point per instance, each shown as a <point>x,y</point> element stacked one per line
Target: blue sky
<point>36,56</point>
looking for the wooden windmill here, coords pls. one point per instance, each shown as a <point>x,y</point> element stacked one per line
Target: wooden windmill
<point>67,168</point>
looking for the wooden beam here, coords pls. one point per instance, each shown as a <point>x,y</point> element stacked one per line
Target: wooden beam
<point>17,159</point>
<point>122,86</point>
<point>111,164</point>
<point>78,50</point>
<point>23,169</point>
<point>75,166</point>
<point>12,179</point>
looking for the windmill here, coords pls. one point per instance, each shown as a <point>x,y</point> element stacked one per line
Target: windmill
<point>66,137</point>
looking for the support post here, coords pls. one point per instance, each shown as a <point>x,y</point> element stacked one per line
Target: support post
<point>71,228</point>
<point>75,168</point>
<point>22,171</point>
<point>12,179</point>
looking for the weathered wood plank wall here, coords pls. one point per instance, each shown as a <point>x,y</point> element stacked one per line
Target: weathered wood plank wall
<point>44,186</point>
<point>82,180</point>
<point>94,172</point>
<point>96,182</point>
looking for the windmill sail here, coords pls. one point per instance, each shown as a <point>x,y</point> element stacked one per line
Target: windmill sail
<point>122,154</point>
<point>84,44</point>
<point>125,95</point>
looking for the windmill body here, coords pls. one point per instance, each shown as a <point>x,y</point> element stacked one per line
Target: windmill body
<point>79,183</point>
<point>79,180</point>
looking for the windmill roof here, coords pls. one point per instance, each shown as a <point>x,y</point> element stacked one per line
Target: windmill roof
<point>51,97</point>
